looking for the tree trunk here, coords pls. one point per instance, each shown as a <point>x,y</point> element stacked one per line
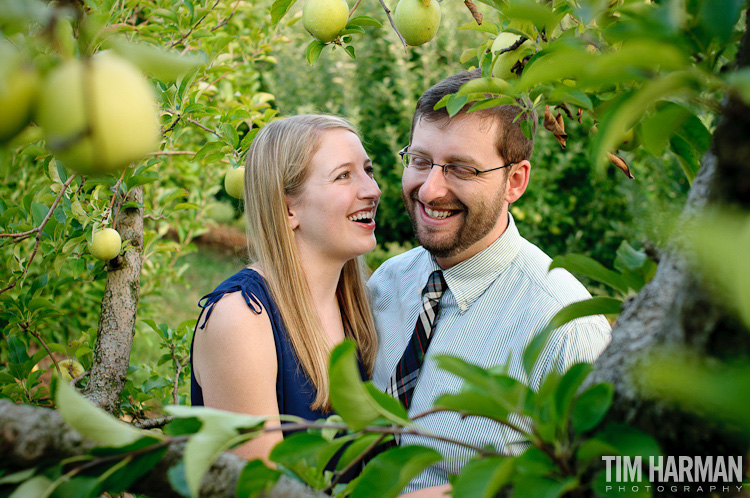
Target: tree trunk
<point>119,306</point>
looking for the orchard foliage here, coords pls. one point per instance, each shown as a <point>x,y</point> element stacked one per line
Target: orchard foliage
<point>637,83</point>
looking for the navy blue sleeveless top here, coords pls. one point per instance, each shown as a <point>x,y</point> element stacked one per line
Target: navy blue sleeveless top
<point>294,391</point>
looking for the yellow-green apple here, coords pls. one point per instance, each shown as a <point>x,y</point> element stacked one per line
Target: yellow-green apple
<point>18,92</point>
<point>70,369</point>
<point>418,23</point>
<point>325,18</point>
<point>234,182</point>
<point>99,114</point>
<point>505,62</point>
<point>105,244</point>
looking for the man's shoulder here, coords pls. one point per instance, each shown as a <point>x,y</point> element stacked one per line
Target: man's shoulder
<point>558,285</point>
<point>402,263</point>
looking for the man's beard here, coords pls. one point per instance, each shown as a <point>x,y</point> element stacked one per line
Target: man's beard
<point>477,223</point>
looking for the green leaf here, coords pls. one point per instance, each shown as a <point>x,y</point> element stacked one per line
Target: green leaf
<point>307,454</point>
<point>472,403</point>
<point>690,159</point>
<point>542,487</point>
<point>255,479</point>
<point>355,449</point>
<point>94,423</point>
<point>456,103</point>
<point>486,27</point>
<point>628,110</point>
<point>719,17</point>
<point>313,51</point>
<point>120,480</point>
<point>541,15</point>
<point>589,267</point>
<point>357,404</point>
<point>177,479</point>
<point>364,21</point>
<point>38,212</point>
<point>591,407</point>
<point>593,306</point>
<point>568,387</point>
<point>164,65</point>
<point>16,477</point>
<point>279,8</point>
<point>350,50</point>
<point>628,258</point>
<point>483,478</point>
<point>219,432</point>
<point>33,488</point>
<point>387,474</point>
<point>484,85</point>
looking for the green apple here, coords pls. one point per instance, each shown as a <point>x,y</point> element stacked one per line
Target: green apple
<point>18,92</point>
<point>418,23</point>
<point>325,18</point>
<point>505,62</point>
<point>630,141</point>
<point>70,369</point>
<point>105,244</point>
<point>99,115</point>
<point>234,182</point>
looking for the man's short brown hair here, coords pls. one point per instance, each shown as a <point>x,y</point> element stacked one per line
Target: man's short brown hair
<point>510,142</point>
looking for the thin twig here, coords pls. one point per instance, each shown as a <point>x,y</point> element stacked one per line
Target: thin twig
<point>354,8</point>
<point>76,380</point>
<point>203,127</point>
<point>474,12</point>
<point>194,26</point>
<point>506,423</point>
<point>26,326</point>
<point>117,189</point>
<point>27,234</point>
<point>379,430</point>
<point>393,25</point>
<point>39,232</point>
<point>226,21</point>
<point>179,153</point>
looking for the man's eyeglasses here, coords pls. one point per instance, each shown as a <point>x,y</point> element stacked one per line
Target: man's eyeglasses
<point>423,165</point>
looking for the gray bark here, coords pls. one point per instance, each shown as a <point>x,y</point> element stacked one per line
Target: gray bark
<point>30,435</point>
<point>678,311</point>
<point>119,306</point>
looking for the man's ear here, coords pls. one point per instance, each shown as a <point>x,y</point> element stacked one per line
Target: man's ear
<point>517,181</point>
<point>291,213</point>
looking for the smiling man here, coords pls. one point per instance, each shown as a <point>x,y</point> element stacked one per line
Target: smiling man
<point>475,288</point>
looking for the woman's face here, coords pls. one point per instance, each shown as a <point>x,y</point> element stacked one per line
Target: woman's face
<point>333,216</point>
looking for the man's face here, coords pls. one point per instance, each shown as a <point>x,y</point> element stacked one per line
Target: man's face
<point>456,219</point>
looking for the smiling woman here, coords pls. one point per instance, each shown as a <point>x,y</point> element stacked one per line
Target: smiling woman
<point>262,343</point>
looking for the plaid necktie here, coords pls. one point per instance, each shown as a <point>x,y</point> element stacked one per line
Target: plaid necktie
<point>405,378</point>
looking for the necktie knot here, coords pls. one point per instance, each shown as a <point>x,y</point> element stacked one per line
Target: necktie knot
<point>435,287</point>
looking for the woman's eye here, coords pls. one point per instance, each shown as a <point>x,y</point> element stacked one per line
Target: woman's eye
<point>343,176</point>
<point>370,171</point>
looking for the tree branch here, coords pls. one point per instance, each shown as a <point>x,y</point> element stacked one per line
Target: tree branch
<point>38,231</point>
<point>393,25</point>
<point>31,436</point>
<point>192,28</point>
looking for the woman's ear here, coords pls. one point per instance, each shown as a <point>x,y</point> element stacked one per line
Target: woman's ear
<point>518,180</point>
<point>291,213</point>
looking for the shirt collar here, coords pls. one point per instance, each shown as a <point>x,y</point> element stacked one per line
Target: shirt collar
<point>470,278</point>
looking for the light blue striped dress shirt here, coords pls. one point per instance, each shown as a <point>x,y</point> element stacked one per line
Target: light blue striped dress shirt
<point>495,303</point>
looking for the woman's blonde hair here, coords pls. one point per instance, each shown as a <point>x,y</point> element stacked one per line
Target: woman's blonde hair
<point>276,167</point>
